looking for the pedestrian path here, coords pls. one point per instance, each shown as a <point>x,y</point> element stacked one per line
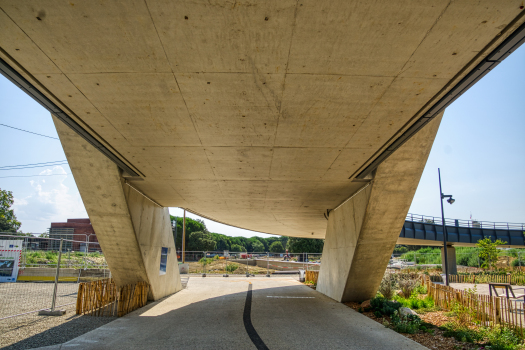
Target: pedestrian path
<point>243,313</point>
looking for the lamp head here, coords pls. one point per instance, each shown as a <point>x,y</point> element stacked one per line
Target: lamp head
<point>451,200</point>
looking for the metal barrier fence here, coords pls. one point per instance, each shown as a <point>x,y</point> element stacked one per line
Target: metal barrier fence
<point>248,263</point>
<point>35,274</point>
<point>465,223</point>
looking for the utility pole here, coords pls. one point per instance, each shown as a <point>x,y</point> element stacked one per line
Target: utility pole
<point>183,235</point>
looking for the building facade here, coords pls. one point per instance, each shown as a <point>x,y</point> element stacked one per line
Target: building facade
<point>79,234</point>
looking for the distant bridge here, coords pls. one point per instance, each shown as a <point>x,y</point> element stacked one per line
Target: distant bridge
<point>428,230</point>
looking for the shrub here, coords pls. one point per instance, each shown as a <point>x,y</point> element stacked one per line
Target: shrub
<point>502,338</point>
<point>405,324</point>
<point>518,262</point>
<point>205,261</point>
<point>408,283</point>
<point>463,334</point>
<point>384,306</point>
<point>388,285</point>
<point>231,267</point>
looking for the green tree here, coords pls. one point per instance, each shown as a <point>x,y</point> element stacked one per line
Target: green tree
<point>305,245</point>
<point>257,247</point>
<point>223,241</point>
<point>236,248</point>
<point>201,241</point>
<point>276,247</point>
<point>191,226</point>
<point>8,222</point>
<point>488,252</point>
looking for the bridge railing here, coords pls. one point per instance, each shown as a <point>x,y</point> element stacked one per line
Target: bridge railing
<point>465,223</point>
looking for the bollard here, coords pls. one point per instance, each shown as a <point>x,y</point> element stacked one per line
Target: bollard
<point>267,264</point>
<point>204,263</point>
<point>54,312</point>
<point>247,273</point>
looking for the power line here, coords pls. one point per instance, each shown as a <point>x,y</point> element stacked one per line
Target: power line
<point>55,161</point>
<point>34,133</point>
<point>31,167</point>
<point>5,177</point>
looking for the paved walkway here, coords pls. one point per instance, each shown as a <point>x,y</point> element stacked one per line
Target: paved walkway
<point>243,313</point>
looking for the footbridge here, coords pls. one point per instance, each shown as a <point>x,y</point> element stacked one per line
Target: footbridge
<point>428,230</point>
<point>300,118</point>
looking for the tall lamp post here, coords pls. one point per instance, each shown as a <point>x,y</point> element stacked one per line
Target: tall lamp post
<point>450,200</point>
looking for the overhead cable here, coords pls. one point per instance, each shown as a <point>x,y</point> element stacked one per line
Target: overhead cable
<point>34,133</point>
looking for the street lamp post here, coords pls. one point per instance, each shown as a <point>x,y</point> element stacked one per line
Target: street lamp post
<point>450,200</point>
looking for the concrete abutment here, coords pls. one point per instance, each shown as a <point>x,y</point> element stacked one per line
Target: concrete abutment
<point>361,234</point>
<point>131,229</point>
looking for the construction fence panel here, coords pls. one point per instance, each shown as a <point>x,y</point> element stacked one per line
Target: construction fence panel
<point>27,278</point>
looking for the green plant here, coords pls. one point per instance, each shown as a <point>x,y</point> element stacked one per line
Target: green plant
<point>384,306</point>
<point>231,267</point>
<point>421,289</point>
<point>488,252</point>
<point>388,285</point>
<point>408,283</point>
<point>502,338</point>
<point>463,334</point>
<point>405,323</point>
<point>205,261</point>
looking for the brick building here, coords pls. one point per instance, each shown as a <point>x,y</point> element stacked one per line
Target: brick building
<point>78,230</point>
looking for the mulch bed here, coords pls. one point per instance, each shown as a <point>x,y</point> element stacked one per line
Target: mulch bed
<point>431,341</point>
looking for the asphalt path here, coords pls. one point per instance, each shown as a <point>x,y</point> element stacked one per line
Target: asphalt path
<point>243,313</point>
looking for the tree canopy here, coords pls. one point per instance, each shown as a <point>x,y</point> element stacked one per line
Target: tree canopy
<point>8,221</point>
<point>305,245</point>
<point>203,240</point>
<point>488,252</point>
<point>276,247</point>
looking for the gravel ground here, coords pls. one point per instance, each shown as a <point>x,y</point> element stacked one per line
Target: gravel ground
<point>30,331</point>
<point>33,331</point>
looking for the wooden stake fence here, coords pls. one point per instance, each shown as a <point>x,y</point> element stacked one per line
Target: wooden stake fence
<point>488,278</point>
<point>312,276</point>
<point>104,298</point>
<point>485,309</point>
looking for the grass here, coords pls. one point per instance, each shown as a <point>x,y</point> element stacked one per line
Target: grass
<point>41,258</point>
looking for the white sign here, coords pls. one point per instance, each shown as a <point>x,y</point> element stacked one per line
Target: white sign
<point>10,253</point>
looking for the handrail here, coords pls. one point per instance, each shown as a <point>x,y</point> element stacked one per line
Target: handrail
<point>465,223</point>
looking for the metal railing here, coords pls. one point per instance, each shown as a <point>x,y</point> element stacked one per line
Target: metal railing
<point>247,263</point>
<point>465,223</point>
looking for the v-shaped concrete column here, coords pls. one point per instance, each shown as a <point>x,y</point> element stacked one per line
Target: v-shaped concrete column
<point>131,229</point>
<point>362,233</point>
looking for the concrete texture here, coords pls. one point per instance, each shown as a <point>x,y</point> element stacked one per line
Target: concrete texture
<point>258,115</point>
<point>451,260</point>
<point>362,233</point>
<point>131,229</point>
<point>209,314</point>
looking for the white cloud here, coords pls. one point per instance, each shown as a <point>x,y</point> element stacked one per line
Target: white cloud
<point>50,201</point>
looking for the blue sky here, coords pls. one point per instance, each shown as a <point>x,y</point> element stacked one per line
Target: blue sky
<point>480,149</point>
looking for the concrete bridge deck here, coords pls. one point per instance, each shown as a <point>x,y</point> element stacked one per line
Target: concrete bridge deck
<point>212,313</point>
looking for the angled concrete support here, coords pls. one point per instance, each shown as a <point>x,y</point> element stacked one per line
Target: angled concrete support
<point>362,233</point>
<point>131,229</point>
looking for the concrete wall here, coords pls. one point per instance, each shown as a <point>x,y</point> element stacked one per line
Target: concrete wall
<point>130,228</point>
<point>362,233</point>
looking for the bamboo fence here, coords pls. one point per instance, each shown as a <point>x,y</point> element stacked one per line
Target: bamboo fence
<point>484,309</point>
<point>103,298</point>
<point>312,276</point>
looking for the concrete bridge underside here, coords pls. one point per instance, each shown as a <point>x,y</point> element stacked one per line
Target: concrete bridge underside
<point>265,116</point>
